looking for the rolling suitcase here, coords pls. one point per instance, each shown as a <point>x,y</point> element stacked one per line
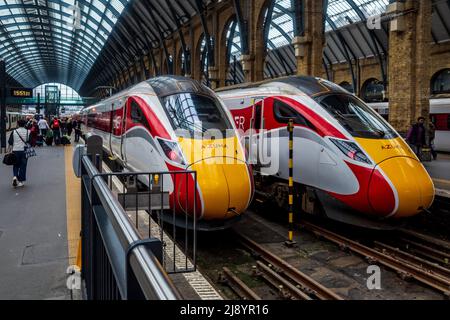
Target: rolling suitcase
<point>65,140</point>
<point>49,141</point>
<point>40,140</point>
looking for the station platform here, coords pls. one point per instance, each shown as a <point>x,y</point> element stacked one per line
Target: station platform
<point>39,227</point>
<point>439,171</point>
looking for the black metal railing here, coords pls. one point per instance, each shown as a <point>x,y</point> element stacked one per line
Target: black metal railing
<point>117,262</point>
<point>162,205</point>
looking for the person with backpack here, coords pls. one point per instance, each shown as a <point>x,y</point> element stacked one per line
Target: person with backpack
<point>18,142</point>
<point>56,128</point>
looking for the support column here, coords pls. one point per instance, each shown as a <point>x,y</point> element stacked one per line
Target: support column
<point>309,45</point>
<point>2,106</point>
<point>409,62</point>
<point>214,77</point>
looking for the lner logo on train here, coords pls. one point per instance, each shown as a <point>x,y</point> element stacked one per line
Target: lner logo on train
<point>344,151</point>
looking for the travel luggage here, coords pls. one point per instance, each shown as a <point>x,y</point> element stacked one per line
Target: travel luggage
<point>40,141</point>
<point>10,159</point>
<point>65,140</point>
<point>49,141</point>
<point>426,155</point>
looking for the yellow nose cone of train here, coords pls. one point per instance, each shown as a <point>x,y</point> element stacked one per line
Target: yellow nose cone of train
<point>411,182</point>
<point>223,178</point>
<point>414,187</point>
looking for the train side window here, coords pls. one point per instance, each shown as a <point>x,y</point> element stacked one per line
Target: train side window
<point>442,122</point>
<point>283,113</point>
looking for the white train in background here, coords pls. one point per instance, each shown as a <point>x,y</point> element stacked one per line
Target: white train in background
<point>440,115</point>
<point>13,117</point>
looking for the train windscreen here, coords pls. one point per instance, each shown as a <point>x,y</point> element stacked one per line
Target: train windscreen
<point>196,113</point>
<point>360,120</point>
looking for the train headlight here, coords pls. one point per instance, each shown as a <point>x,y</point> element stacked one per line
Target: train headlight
<point>351,150</point>
<point>172,151</point>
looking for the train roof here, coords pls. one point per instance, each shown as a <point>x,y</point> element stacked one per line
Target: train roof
<point>161,86</point>
<point>311,86</point>
<point>170,85</point>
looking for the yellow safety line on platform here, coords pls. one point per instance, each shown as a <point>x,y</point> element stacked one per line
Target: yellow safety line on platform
<point>73,207</point>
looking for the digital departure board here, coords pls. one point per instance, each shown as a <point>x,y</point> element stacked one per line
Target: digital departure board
<point>21,93</point>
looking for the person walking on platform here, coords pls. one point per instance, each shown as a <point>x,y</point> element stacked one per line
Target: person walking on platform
<point>43,126</point>
<point>56,128</point>
<point>34,132</point>
<point>17,142</point>
<point>416,136</point>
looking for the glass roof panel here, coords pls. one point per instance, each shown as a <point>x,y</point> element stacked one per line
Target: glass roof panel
<point>37,38</point>
<point>342,13</point>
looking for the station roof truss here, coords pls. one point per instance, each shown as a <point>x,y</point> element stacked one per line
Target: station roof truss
<point>55,40</point>
<point>41,43</point>
<point>142,27</point>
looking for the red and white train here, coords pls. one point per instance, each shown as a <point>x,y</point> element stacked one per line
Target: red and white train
<point>347,158</point>
<point>440,115</point>
<point>157,126</point>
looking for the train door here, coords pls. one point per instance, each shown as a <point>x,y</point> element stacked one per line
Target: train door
<point>111,129</point>
<point>123,132</point>
<point>253,145</point>
<point>306,145</point>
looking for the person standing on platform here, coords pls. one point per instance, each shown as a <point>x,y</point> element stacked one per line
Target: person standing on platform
<point>17,142</point>
<point>43,126</point>
<point>431,137</point>
<point>69,127</point>
<point>77,127</point>
<point>63,125</point>
<point>56,128</point>
<point>416,136</point>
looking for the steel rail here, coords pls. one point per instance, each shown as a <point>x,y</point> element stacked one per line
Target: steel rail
<point>412,259</point>
<point>237,285</point>
<point>426,251</point>
<point>404,269</point>
<point>286,289</point>
<point>303,280</point>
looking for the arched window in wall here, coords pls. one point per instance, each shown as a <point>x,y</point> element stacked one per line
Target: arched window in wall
<point>440,83</point>
<point>53,94</point>
<point>235,73</point>
<point>182,63</point>
<point>204,63</point>
<point>373,91</point>
<point>278,35</point>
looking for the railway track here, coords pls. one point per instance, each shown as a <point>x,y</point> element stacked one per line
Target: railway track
<point>406,264</point>
<point>291,283</point>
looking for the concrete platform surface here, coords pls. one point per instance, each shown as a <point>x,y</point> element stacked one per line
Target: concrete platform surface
<point>439,170</point>
<point>33,230</point>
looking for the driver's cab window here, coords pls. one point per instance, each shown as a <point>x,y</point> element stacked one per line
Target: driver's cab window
<point>136,114</point>
<point>283,113</point>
